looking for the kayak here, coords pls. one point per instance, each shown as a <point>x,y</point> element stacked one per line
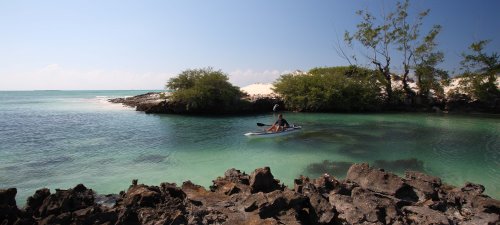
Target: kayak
<point>288,130</point>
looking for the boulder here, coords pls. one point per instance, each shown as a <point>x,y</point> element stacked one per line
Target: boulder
<point>263,180</point>
<point>34,202</point>
<point>348,213</point>
<point>8,197</point>
<point>473,189</point>
<point>142,195</point>
<point>302,185</point>
<point>320,209</point>
<point>9,212</point>
<point>425,186</point>
<point>316,191</point>
<point>326,183</point>
<point>233,182</point>
<point>236,176</point>
<point>281,201</point>
<point>424,215</point>
<point>376,207</point>
<point>483,218</point>
<point>254,201</point>
<point>160,215</point>
<point>365,206</point>
<point>67,201</point>
<point>170,190</point>
<point>380,181</point>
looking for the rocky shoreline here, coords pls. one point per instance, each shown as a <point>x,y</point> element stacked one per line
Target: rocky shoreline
<point>366,196</point>
<point>158,102</point>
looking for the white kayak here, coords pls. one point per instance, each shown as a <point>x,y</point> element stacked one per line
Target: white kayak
<point>288,130</point>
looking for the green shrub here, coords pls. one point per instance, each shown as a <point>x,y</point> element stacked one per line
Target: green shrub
<point>205,91</point>
<point>481,71</point>
<point>331,89</point>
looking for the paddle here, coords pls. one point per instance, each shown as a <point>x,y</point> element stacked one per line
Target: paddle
<point>261,124</point>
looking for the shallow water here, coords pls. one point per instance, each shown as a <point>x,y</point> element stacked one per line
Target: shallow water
<point>57,139</point>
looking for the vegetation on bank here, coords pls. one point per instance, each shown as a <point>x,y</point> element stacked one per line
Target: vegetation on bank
<point>479,80</point>
<point>205,91</point>
<point>347,88</point>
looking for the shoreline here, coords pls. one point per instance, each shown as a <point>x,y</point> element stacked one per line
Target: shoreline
<point>366,195</point>
<point>261,98</point>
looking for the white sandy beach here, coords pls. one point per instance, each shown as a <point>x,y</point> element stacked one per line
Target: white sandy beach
<point>259,89</point>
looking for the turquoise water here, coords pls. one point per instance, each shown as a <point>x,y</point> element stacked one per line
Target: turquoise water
<point>57,139</point>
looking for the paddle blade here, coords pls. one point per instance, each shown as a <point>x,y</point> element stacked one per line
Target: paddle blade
<point>261,124</point>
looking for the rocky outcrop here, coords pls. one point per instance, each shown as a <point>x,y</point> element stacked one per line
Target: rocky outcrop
<point>367,196</point>
<point>151,102</point>
<point>158,102</point>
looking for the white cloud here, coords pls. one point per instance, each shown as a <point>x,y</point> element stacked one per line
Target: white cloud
<point>248,76</point>
<point>56,77</point>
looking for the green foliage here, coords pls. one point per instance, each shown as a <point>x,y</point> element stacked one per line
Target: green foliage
<point>331,89</point>
<point>205,90</point>
<point>429,77</point>
<point>481,70</point>
<point>377,38</point>
<point>395,31</point>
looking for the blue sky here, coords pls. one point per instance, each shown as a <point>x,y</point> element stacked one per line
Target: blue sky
<point>141,44</point>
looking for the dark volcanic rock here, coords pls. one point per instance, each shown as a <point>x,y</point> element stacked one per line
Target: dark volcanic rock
<point>233,182</point>
<point>263,180</point>
<point>9,213</point>
<point>157,102</point>
<point>425,186</point>
<point>367,196</point>
<point>67,201</point>
<point>377,180</point>
<point>424,215</point>
<point>142,195</point>
<point>34,202</point>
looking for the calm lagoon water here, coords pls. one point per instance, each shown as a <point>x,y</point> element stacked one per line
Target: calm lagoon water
<point>57,139</point>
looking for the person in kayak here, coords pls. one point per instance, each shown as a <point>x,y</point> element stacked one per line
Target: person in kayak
<point>276,107</point>
<point>279,125</point>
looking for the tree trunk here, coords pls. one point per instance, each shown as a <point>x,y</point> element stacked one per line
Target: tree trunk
<point>388,86</point>
<point>387,75</point>
<point>406,87</point>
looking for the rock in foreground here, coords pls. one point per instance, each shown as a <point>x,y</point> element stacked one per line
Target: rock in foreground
<point>366,196</point>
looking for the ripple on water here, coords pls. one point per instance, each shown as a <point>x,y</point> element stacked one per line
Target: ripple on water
<point>359,150</point>
<point>150,158</point>
<point>492,157</point>
<point>50,161</point>
<point>447,148</point>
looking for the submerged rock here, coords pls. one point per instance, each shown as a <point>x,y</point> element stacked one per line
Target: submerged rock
<point>400,165</point>
<point>336,168</point>
<point>367,196</point>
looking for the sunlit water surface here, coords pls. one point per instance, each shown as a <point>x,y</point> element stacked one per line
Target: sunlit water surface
<point>57,139</point>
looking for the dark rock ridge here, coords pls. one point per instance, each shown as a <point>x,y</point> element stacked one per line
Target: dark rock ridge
<point>157,102</point>
<point>367,196</point>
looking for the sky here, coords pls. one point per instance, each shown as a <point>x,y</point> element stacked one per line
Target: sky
<point>122,45</point>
